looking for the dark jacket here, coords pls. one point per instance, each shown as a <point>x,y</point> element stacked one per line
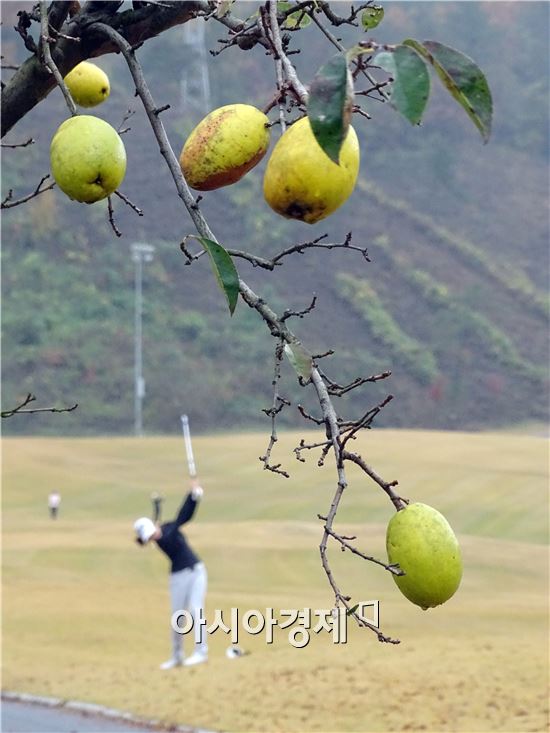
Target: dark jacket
<point>173,542</point>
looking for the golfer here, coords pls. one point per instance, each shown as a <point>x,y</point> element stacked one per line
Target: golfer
<point>187,574</point>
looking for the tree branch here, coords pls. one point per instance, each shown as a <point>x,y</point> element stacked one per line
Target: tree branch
<point>32,82</point>
<point>278,404</point>
<point>45,46</point>
<point>277,326</point>
<point>31,398</point>
<point>9,203</point>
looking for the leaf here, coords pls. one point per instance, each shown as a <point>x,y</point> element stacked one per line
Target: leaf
<point>349,611</point>
<point>299,19</point>
<point>224,270</point>
<point>464,80</point>
<point>223,7</point>
<point>411,81</point>
<point>329,105</point>
<point>300,358</point>
<point>372,17</point>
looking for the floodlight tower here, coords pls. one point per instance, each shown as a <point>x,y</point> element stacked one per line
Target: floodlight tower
<point>195,81</point>
<point>141,253</point>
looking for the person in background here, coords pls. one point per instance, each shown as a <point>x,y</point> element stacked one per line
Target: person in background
<point>156,500</point>
<point>188,577</point>
<point>54,500</point>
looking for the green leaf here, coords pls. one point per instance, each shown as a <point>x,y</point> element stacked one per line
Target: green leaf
<point>349,611</point>
<point>224,6</point>
<point>224,270</point>
<point>299,19</point>
<point>329,105</point>
<point>411,81</point>
<point>464,80</point>
<point>371,17</point>
<point>300,358</point>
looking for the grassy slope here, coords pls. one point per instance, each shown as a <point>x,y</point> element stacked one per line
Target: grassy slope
<point>85,611</point>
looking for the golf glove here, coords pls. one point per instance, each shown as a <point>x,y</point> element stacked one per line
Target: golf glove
<point>197,493</point>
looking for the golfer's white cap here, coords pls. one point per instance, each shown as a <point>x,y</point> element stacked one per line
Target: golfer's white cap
<point>144,528</point>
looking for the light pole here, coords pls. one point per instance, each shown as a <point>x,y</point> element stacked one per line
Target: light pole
<point>140,253</point>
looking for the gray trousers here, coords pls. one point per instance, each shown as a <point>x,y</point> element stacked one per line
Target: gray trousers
<point>187,592</point>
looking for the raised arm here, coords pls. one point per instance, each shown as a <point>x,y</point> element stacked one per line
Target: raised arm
<point>190,504</point>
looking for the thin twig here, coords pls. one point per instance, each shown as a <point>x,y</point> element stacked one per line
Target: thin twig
<point>301,248</point>
<point>392,568</point>
<point>274,38</point>
<point>9,203</point>
<point>299,314</point>
<point>30,141</point>
<point>278,71</point>
<point>278,404</point>
<point>127,201</point>
<point>48,60</point>
<point>121,129</point>
<point>111,214</point>
<point>398,501</point>
<point>31,398</point>
<point>338,390</point>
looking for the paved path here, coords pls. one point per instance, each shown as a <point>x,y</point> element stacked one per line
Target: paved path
<point>23,717</point>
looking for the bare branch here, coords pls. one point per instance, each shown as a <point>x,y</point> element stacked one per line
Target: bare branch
<point>32,82</point>
<point>299,314</point>
<point>111,215</point>
<point>271,264</point>
<point>281,86</point>
<point>365,421</point>
<point>48,60</point>
<point>301,248</point>
<point>398,501</point>
<point>30,141</point>
<point>338,390</point>
<point>392,568</point>
<point>127,201</point>
<point>121,129</point>
<point>273,37</point>
<point>9,203</point>
<point>276,326</point>
<point>31,398</point>
<point>278,404</point>
<point>307,416</point>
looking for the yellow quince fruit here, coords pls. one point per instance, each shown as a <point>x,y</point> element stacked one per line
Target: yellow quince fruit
<point>421,540</point>
<point>224,146</point>
<point>302,182</point>
<point>88,84</point>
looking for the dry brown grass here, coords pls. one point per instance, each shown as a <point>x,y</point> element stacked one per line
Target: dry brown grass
<point>85,612</point>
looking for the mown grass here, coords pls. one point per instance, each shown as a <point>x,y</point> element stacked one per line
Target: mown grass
<point>85,611</point>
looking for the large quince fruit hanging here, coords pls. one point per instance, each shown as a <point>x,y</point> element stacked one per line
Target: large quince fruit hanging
<point>224,146</point>
<point>302,182</point>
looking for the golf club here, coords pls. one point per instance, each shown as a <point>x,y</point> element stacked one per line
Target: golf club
<point>188,446</point>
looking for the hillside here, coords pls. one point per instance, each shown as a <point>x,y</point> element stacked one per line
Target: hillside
<point>453,301</point>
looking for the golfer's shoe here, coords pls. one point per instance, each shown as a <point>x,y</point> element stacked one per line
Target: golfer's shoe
<point>171,663</point>
<point>195,658</point>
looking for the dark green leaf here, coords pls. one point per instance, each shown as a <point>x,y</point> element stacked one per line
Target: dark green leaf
<point>352,610</point>
<point>300,358</point>
<point>371,17</point>
<point>411,81</point>
<point>224,270</point>
<point>299,19</point>
<point>329,105</point>
<point>463,78</point>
